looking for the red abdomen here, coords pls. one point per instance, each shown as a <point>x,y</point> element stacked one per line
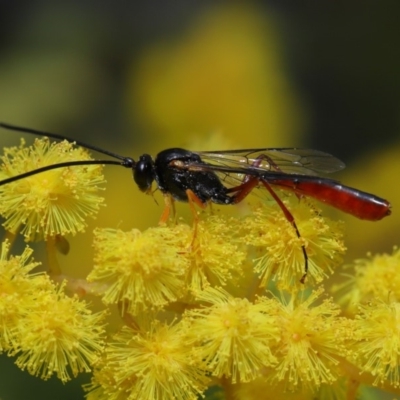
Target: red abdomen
<point>352,201</point>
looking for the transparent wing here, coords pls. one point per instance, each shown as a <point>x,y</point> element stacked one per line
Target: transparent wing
<point>288,160</point>
<point>232,165</point>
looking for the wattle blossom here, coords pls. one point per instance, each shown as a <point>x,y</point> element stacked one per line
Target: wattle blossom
<point>51,203</point>
<point>216,303</point>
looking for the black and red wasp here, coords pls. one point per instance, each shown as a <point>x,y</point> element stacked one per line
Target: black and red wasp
<point>227,177</point>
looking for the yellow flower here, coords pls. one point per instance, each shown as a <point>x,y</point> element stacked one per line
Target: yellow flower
<point>374,278</point>
<point>18,293</point>
<point>232,335</point>
<point>152,362</point>
<point>216,255</point>
<point>139,270</point>
<point>312,340</point>
<point>59,335</point>
<point>378,341</point>
<point>282,259</point>
<point>53,202</point>
<point>49,331</point>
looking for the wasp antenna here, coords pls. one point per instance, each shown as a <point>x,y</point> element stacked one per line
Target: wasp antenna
<point>62,165</point>
<point>61,137</point>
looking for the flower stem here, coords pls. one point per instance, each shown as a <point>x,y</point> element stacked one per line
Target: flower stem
<point>51,250</point>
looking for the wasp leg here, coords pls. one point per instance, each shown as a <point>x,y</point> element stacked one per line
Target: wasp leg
<point>249,183</point>
<point>244,189</point>
<point>290,218</point>
<point>169,204</point>
<point>193,201</point>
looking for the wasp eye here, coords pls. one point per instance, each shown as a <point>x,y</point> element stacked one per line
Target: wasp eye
<point>144,173</point>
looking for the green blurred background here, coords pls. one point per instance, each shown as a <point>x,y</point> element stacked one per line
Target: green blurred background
<point>138,77</point>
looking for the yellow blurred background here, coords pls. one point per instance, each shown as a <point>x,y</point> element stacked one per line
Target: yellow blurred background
<point>206,75</point>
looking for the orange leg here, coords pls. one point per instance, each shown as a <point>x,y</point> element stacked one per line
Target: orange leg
<point>249,183</point>
<point>243,190</point>
<point>290,218</point>
<point>169,203</point>
<point>193,201</point>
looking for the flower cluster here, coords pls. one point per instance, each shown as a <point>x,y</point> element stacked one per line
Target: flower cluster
<point>224,303</point>
<point>51,203</point>
<point>48,331</point>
